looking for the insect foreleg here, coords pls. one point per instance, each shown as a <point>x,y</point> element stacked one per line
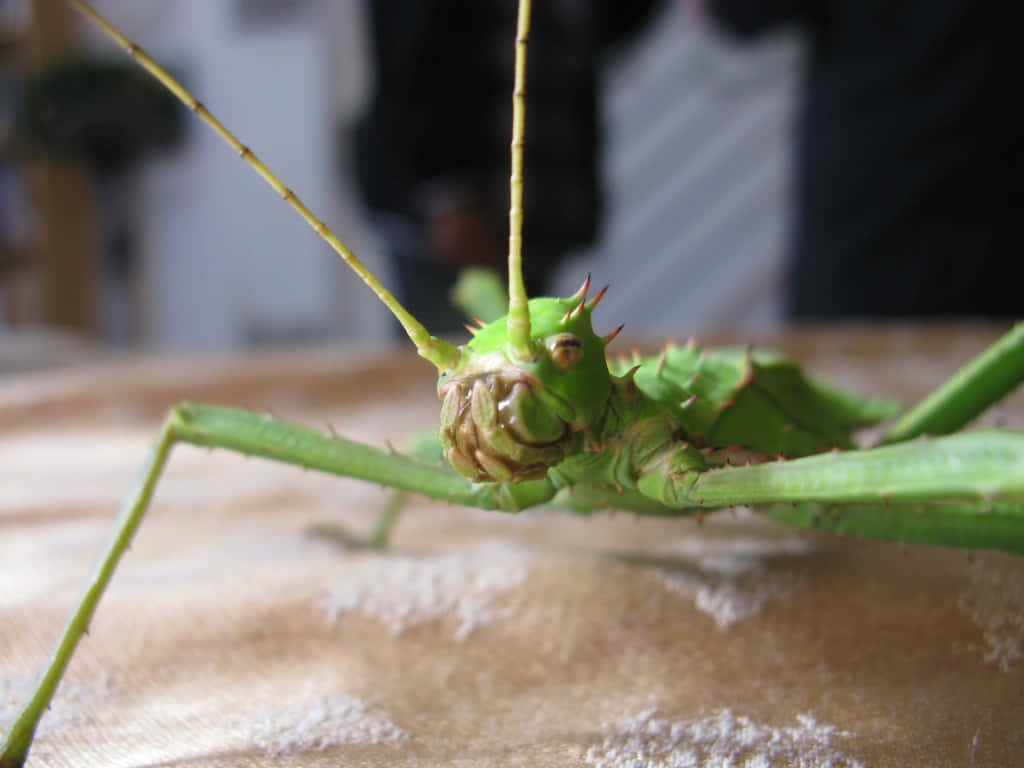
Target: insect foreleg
<point>255,434</point>
<point>252,434</point>
<point>972,483</point>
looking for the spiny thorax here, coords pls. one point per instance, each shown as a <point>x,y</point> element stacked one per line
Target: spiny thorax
<point>634,437</point>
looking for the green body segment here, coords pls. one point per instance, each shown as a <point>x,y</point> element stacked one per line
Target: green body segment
<point>656,436</point>
<point>720,397</point>
<point>508,419</point>
<point>755,400</point>
<point>639,445</point>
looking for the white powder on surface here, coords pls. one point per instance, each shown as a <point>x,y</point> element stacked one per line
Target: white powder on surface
<point>321,724</point>
<point>719,740</point>
<point>68,707</point>
<point>737,545</point>
<point>728,589</point>
<point>995,602</point>
<point>405,592</point>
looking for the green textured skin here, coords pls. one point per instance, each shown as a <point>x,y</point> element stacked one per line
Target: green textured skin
<point>653,426</point>
<point>662,436</point>
<point>754,400</point>
<point>490,433</point>
<point>719,397</point>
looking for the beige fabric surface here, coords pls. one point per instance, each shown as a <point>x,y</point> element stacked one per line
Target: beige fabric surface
<point>231,638</point>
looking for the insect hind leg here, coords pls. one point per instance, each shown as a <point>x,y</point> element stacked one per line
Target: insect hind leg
<point>425,447</point>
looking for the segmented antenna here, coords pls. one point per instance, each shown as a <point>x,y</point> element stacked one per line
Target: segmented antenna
<point>437,351</point>
<point>518,308</point>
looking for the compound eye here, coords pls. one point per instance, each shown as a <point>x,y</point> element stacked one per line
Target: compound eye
<point>566,350</point>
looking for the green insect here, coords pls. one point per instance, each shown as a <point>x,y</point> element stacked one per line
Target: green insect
<point>532,414</point>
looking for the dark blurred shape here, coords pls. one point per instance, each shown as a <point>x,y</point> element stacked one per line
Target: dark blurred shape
<point>107,113</point>
<point>908,179</point>
<point>433,150</point>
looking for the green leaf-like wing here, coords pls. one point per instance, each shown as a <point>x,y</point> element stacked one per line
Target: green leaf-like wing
<point>757,400</point>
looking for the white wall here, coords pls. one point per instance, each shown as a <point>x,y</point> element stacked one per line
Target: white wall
<point>224,260</point>
<point>696,167</point>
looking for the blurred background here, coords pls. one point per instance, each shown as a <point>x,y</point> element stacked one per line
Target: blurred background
<point>176,244</point>
<point>125,223</point>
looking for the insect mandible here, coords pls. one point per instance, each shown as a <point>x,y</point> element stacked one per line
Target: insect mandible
<point>533,413</point>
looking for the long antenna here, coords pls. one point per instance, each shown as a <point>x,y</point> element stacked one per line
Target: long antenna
<point>437,351</point>
<point>518,307</point>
